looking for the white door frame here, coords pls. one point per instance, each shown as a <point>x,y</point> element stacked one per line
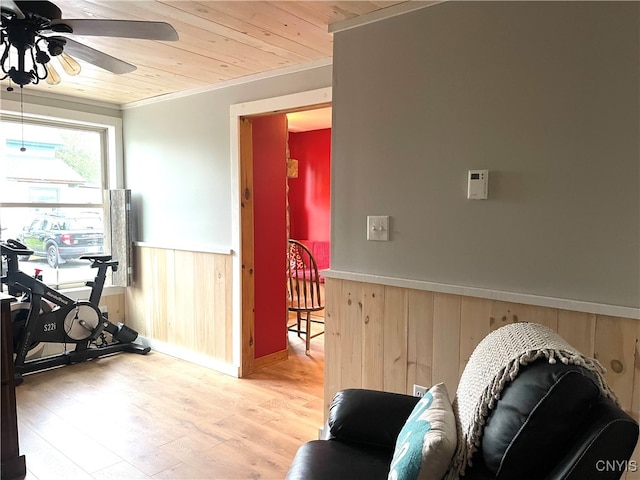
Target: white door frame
<point>237,111</point>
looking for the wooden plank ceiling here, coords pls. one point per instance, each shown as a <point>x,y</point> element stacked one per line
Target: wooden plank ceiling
<point>219,41</point>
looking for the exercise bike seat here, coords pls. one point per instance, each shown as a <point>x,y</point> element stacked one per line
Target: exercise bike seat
<point>96,258</point>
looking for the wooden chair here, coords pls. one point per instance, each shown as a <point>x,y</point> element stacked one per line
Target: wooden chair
<point>303,290</point>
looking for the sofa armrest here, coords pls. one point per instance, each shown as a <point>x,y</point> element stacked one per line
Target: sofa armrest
<point>603,449</point>
<point>369,417</point>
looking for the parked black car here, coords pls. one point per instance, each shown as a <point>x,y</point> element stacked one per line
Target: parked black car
<point>59,237</point>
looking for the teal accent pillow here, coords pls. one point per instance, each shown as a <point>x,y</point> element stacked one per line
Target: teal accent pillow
<point>427,440</point>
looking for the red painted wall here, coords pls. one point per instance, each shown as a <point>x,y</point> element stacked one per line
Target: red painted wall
<point>309,194</point>
<point>270,236</point>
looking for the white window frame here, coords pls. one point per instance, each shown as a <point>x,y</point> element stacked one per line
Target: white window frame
<point>113,145</point>
<point>51,114</point>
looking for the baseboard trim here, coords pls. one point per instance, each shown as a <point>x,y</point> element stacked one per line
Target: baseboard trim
<point>190,356</point>
<point>270,359</point>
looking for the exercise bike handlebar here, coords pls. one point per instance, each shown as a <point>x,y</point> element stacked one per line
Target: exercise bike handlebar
<point>14,247</point>
<point>98,261</point>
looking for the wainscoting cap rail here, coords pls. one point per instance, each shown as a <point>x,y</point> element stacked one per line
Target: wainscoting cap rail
<point>187,248</point>
<point>514,297</point>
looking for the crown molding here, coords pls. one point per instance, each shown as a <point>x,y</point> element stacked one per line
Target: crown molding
<point>382,14</point>
<point>325,62</point>
<point>14,96</point>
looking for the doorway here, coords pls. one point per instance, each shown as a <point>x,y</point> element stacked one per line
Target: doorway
<point>243,206</point>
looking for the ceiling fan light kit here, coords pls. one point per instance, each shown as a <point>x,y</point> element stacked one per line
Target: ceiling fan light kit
<point>52,77</point>
<point>27,46</point>
<point>69,64</point>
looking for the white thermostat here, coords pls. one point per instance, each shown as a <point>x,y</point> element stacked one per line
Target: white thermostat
<point>478,184</point>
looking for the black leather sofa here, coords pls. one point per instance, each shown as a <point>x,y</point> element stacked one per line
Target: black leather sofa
<point>552,422</point>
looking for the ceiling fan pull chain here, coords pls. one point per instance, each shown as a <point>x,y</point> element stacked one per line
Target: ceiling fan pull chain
<point>22,148</point>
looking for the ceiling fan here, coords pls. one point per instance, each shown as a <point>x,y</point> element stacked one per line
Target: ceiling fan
<point>31,32</point>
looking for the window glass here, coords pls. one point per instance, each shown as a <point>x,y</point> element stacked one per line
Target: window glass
<point>51,196</point>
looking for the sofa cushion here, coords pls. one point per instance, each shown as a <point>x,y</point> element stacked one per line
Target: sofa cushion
<point>541,413</point>
<point>369,417</point>
<point>321,251</point>
<point>428,439</point>
<point>335,460</point>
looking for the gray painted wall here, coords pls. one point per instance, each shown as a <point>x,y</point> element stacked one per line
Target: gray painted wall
<point>177,160</point>
<point>544,95</point>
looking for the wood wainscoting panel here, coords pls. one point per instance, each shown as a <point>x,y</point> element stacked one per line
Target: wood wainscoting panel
<point>390,338</point>
<point>222,316</point>
<point>507,312</point>
<point>579,329</point>
<point>183,322</point>
<point>183,298</point>
<point>475,324</point>
<point>395,340</point>
<point>373,337</point>
<point>446,340</point>
<point>164,292</point>
<point>115,307</point>
<point>138,311</point>
<point>419,334</point>
<point>615,347</point>
<point>352,362</point>
<point>333,341</point>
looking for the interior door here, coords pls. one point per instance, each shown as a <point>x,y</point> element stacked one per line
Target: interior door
<point>269,137</point>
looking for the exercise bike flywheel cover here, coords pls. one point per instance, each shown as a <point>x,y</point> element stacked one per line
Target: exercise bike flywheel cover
<point>81,320</point>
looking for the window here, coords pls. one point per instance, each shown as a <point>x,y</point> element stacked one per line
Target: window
<point>51,195</point>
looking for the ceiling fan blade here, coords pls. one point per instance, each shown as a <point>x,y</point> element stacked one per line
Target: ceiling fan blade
<point>11,6</point>
<point>116,28</point>
<point>95,57</point>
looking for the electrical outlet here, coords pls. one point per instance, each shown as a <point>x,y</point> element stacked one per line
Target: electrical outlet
<point>419,390</point>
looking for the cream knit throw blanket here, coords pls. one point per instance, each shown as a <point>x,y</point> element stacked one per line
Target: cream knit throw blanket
<point>495,362</point>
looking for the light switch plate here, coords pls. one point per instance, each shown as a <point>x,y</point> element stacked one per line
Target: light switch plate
<point>378,228</point>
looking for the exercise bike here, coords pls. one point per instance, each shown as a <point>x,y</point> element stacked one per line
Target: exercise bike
<point>44,315</point>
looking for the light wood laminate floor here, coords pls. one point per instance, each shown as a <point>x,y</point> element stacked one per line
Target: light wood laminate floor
<point>140,417</point>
